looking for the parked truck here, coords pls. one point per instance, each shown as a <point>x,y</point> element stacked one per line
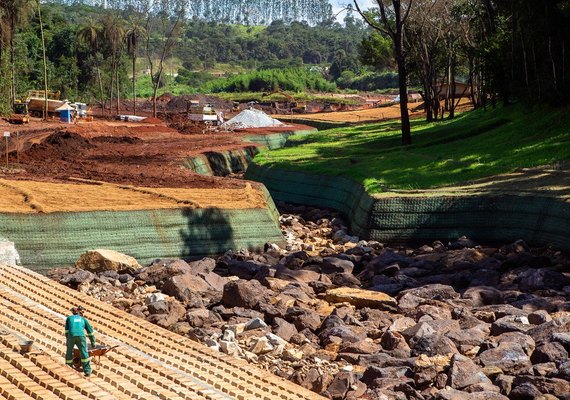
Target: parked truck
<point>36,102</point>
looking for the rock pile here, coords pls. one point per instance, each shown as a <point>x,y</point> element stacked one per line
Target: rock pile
<point>355,319</point>
<point>251,118</point>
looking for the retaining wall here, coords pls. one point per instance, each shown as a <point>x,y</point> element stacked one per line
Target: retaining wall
<point>223,163</point>
<point>49,240</point>
<point>488,217</point>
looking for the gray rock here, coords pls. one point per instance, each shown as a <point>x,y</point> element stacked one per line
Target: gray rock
<point>160,270</point>
<point>303,318</point>
<point>549,352</point>
<point>346,333</point>
<point>483,295</point>
<point>201,317</point>
<point>333,264</point>
<point>464,372</point>
<point>453,394</point>
<point>525,391</point>
<point>564,371</point>
<point>244,269</point>
<point>255,323</point>
<point>545,385</point>
<point>545,332</point>
<point>340,386</point>
<point>542,279</point>
<point>433,292</point>
<point>539,317</point>
<point>78,277</point>
<point>432,345</point>
<point>504,383</point>
<point>510,323</point>
<point>525,341</point>
<point>509,357</point>
<point>158,307</point>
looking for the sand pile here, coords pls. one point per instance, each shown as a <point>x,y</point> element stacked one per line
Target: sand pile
<point>251,118</point>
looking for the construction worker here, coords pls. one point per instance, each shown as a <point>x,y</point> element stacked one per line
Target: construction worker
<point>75,327</point>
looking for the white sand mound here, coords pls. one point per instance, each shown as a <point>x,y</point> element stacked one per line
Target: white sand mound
<point>251,118</point>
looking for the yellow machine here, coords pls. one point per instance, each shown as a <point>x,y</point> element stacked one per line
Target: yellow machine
<point>20,115</point>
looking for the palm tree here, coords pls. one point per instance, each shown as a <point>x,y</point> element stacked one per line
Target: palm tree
<point>45,61</point>
<point>90,34</point>
<point>134,32</point>
<point>114,34</point>
<point>15,12</point>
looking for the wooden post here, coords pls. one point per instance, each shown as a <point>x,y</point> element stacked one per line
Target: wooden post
<point>6,135</point>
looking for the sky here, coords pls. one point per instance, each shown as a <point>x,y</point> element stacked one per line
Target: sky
<point>340,4</point>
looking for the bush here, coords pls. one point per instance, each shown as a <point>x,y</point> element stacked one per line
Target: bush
<point>369,81</point>
<point>292,79</point>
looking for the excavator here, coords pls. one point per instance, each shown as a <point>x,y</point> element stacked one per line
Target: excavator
<point>292,104</point>
<point>20,115</point>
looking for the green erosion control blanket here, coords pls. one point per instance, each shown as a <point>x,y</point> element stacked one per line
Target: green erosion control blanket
<point>488,218</point>
<point>224,163</point>
<point>56,239</point>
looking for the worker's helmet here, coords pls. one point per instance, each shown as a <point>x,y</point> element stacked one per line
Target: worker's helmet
<point>80,309</point>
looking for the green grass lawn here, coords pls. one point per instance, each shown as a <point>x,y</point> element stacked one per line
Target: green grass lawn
<point>474,145</point>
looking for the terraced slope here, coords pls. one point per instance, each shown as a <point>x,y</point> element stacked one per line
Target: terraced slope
<point>149,362</point>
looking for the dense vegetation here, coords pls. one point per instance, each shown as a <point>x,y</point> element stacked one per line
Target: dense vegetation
<point>474,145</point>
<point>294,79</point>
<point>93,52</point>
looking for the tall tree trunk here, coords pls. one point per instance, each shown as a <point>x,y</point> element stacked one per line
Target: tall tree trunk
<point>134,82</point>
<point>45,62</point>
<point>101,96</point>
<point>453,87</point>
<point>12,68</point>
<point>403,86</point>
<point>118,91</point>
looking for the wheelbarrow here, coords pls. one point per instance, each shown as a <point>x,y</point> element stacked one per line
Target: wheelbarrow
<point>94,352</point>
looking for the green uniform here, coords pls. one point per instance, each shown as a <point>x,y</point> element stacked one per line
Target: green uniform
<point>75,328</point>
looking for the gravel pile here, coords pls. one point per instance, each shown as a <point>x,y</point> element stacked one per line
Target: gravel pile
<point>251,119</point>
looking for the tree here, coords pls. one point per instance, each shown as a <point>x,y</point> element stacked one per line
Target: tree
<point>390,20</point>
<point>134,32</point>
<point>114,33</point>
<point>44,61</point>
<point>14,13</point>
<point>168,18</point>
<point>90,33</point>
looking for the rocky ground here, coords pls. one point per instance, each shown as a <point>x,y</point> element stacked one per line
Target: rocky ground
<point>354,319</point>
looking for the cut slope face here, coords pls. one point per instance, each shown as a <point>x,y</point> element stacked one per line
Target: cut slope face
<point>149,362</point>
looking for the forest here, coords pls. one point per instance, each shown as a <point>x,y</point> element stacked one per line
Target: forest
<point>502,50</point>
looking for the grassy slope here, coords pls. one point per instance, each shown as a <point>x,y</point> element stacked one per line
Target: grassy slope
<point>475,145</point>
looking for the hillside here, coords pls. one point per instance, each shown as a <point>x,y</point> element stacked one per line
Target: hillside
<point>475,145</point>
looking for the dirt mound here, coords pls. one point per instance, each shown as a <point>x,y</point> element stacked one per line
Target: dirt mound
<point>117,139</point>
<point>60,144</point>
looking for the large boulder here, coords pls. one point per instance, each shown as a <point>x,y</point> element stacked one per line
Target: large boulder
<point>464,372</point>
<point>107,260</point>
<point>241,293</point>
<point>361,298</point>
<point>160,270</point>
<point>509,357</point>
<point>184,286</point>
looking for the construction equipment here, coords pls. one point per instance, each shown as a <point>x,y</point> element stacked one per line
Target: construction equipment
<point>96,351</point>
<point>292,105</point>
<point>20,115</point>
<point>36,102</point>
<point>204,114</point>
<point>235,106</point>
